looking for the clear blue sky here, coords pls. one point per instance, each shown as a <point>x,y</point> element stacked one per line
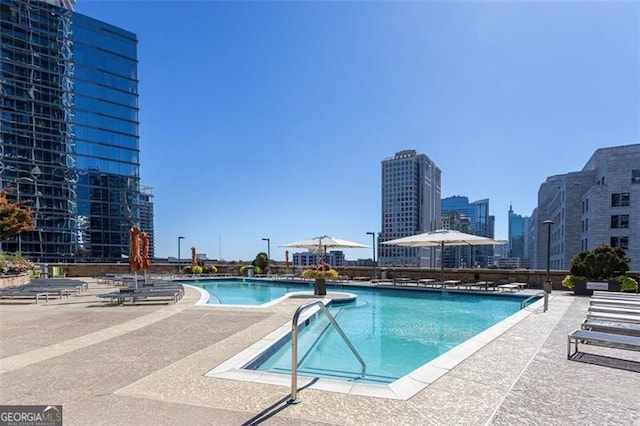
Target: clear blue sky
<point>270,119</point>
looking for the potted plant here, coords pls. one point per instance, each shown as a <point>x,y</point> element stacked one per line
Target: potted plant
<point>596,270</point>
<point>320,273</point>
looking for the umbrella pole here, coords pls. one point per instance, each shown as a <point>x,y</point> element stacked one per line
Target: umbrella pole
<point>135,278</point>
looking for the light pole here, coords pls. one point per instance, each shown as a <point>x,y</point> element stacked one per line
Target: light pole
<point>373,246</point>
<point>179,238</point>
<point>268,254</point>
<point>547,281</point>
<point>22,179</point>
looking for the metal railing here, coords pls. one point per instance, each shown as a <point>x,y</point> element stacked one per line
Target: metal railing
<point>294,345</point>
<point>523,304</point>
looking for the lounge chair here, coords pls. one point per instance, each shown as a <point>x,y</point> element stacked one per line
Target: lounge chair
<point>597,301</point>
<point>619,341</point>
<point>608,326</point>
<point>614,316</point>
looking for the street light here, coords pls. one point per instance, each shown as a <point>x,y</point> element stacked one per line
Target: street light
<point>373,245</point>
<point>268,253</point>
<point>179,238</point>
<point>22,179</point>
<point>547,281</point>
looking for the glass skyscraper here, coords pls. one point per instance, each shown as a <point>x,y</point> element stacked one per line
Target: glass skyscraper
<point>69,130</point>
<point>480,223</point>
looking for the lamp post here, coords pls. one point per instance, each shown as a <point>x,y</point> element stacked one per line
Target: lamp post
<point>179,238</point>
<point>547,281</point>
<point>22,179</point>
<point>373,246</point>
<point>268,254</point>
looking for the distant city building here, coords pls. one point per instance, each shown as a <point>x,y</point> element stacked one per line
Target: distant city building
<point>146,216</point>
<point>519,235</point>
<point>480,223</point>
<point>457,256</point>
<point>308,258</point>
<point>513,263</point>
<point>411,188</point>
<point>69,134</point>
<point>599,204</point>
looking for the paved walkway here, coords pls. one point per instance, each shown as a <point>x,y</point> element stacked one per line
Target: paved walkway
<point>145,365</point>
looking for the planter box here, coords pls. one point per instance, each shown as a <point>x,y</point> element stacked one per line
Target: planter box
<point>586,288</point>
<point>8,281</point>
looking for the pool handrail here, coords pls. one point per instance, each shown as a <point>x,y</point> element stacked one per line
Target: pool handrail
<point>523,303</point>
<point>294,345</point>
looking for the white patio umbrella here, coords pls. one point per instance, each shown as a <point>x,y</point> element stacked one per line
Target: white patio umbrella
<point>441,238</point>
<point>324,242</point>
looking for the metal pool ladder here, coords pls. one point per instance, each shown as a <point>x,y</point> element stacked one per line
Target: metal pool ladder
<point>294,345</point>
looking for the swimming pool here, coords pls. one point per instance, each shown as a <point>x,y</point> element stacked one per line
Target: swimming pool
<point>394,331</point>
<point>404,336</point>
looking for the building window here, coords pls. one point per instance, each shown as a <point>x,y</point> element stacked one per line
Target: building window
<point>622,242</point>
<point>620,200</point>
<point>635,176</point>
<point>620,221</point>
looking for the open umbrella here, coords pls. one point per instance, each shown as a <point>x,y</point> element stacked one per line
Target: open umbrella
<point>441,238</point>
<point>322,243</point>
<point>135,260</point>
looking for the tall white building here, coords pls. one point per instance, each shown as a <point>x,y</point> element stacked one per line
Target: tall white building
<point>599,204</point>
<point>411,191</point>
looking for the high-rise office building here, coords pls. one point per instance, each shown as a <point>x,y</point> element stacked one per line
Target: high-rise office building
<point>598,205</point>
<point>411,187</point>
<point>147,216</point>
<point>480,223</point>
<point>69,130</point>
<point>519,235</point>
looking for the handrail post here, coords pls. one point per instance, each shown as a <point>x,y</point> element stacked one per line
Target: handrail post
<point>294,345</point>
<point>546,300</point>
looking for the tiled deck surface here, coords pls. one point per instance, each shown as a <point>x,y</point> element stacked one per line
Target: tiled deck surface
<point>145,365</point>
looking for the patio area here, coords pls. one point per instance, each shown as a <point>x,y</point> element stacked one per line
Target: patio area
<point>146,365</point>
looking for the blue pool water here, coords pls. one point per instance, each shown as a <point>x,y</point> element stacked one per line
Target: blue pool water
<point>394,331</point>
<point>246,291</point>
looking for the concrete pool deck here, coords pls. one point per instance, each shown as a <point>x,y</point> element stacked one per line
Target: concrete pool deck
<point>146,365</point>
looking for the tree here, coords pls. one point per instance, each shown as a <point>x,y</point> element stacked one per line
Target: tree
<point>14,218</point>
<point>261,261</point>
<point>601,263</point>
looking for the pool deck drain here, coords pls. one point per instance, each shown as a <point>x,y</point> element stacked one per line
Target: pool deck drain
<point>151,370</point>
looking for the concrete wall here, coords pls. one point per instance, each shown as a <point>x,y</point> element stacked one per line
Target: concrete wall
<point>534,278</point>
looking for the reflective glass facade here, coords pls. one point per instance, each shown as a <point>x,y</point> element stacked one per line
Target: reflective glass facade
<point>69,130</point>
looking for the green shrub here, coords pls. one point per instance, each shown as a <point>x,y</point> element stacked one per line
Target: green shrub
<point>196,269</point>
<point>600,264</point>
<point>570,280</point>
<point>14,264</point>
<point>627,283</point>
<point>210,269</point>
<point>186,269</point>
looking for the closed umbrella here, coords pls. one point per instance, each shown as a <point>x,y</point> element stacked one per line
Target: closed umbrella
<point>135,260</point>
<point>146,260</point>
<point>193,256</point>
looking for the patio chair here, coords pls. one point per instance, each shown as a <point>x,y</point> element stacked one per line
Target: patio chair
<point>57,272</point>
